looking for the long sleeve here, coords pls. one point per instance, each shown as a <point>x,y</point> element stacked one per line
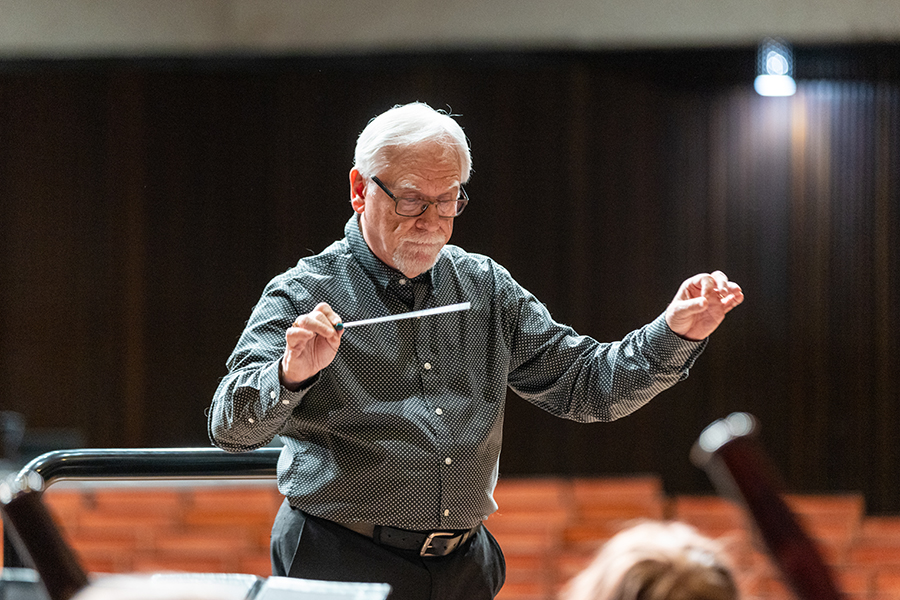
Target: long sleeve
<point>579,378</point>
<point>250,405</point>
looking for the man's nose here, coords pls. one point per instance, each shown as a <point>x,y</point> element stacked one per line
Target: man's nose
<point>430,218</point>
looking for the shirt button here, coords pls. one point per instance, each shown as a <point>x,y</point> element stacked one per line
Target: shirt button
<point>446,512</point>
<point>251,421</point>
<point>285,402</point>
<point>401,281</point>
<point>427,366</point>
<point>439,411</point>
<point>272,394</point>
<point>448,460</point>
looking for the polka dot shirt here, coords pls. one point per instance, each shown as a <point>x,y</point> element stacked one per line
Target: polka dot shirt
<point>404,427</point>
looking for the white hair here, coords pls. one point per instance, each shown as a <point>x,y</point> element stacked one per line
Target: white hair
<point>404,127</point>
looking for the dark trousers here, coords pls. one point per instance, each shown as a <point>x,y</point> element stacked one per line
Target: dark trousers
<point>312,548</point>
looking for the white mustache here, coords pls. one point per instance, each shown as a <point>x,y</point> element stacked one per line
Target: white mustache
<point>431,240</point>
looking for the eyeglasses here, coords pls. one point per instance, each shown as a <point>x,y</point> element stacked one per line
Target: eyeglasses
<point>413,207</point>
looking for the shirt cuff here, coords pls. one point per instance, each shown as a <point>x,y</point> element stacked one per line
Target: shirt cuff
<point>277,393</point>
<point>671,347</point>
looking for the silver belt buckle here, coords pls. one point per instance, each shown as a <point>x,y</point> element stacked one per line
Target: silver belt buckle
<point>426,545</point>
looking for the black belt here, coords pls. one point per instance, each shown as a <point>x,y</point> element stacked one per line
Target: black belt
<point>426,543</point>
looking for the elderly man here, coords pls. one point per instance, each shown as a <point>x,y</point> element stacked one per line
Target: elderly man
<point>392,430</point>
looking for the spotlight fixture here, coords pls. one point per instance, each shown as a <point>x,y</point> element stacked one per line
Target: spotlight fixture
<point>774,69</point>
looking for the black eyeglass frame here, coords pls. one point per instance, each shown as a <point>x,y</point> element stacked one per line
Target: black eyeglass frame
<point>461,201</point>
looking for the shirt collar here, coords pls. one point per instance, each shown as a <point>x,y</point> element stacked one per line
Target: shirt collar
<point>382,274</point>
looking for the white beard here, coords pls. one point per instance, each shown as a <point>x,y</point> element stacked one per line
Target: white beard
<point>413,257</point>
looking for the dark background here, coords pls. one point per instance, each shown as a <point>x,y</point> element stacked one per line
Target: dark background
<point>144,204</point>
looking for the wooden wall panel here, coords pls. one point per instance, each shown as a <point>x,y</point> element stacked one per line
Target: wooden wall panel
<point>145,203</point>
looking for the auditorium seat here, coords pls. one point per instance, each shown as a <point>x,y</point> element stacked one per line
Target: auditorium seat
<point>833,521</point>
<point>711,515</point>
<point>549,528</point>
<point>533,512</point>
<point>600,507</point>
<point>207,528</point>
<point>887,581</point>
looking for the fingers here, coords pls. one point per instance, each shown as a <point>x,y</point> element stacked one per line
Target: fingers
<point>320,321</point>
<point>722,287</point>
<point>701,304</point>
<point>708,287</point>
<point>690,307</point>
<point>707,291</point>
<point>311,343</point>
<point>714,286</point>
<point>729,293</point>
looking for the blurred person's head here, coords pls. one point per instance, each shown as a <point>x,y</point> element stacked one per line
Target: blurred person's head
<point>656,561</point>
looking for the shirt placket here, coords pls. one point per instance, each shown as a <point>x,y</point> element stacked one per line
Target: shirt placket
<point>429,373</point>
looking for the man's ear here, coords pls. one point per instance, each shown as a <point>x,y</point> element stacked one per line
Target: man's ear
<point>358,189</point>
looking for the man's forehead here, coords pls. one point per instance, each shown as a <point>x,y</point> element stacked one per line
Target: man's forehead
<point>425,175</point>
<point>430,161</point>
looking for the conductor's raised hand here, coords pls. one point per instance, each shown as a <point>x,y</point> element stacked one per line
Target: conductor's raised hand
<point>312,344</point>
<point>701,304</point>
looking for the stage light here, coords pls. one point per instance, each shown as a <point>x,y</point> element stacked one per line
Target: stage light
<point>774,69</point>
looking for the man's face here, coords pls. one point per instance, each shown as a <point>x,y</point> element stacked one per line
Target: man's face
<point>408,244</point>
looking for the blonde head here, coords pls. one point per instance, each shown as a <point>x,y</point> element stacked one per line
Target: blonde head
<point>656,561</point>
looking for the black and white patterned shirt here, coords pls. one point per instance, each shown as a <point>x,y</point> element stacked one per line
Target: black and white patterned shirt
<point>404,427</point>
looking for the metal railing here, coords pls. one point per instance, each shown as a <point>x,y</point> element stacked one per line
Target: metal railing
<point>60,573</point>
<point>139,464</point>
<point>153,464</point>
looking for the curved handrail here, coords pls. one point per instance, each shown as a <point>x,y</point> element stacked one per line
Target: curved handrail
<point>153,463</point>
<point>37,533</point>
